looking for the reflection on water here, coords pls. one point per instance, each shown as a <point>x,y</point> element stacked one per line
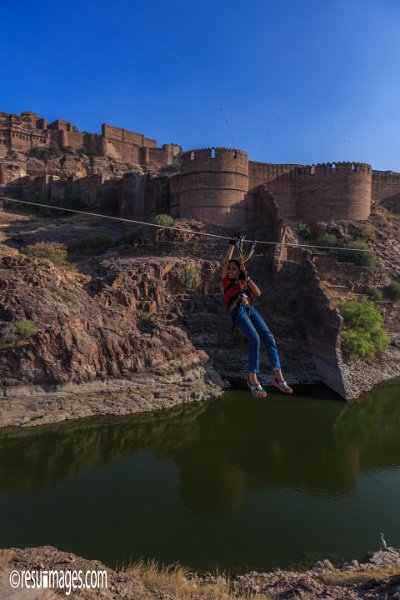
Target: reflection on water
<point>237,482</point>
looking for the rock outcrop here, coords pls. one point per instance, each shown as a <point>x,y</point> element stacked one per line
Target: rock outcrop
<point>65,165</point>
<point>322,282</point>
<point>92,329</point>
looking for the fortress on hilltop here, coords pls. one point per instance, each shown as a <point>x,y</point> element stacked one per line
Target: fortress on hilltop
<point>27,131</point>
<point>217,185</point>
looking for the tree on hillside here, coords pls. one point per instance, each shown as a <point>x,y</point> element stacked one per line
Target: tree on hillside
<point>363,333</point>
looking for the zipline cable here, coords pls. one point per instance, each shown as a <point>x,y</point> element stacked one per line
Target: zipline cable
<point>221,237</point>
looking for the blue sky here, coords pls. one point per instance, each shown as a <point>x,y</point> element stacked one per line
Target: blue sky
<point>291,82</point>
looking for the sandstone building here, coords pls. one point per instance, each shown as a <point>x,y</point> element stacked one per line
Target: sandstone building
<point>27,131</point>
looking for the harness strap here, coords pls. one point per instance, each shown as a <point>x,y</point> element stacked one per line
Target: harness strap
<point>253,247</point>
<point>235,308</point>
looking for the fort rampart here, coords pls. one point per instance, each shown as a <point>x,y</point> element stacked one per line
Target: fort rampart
<point>23,133</point>
<point>213,184</point>
<point>277,180</point>
<point>386,189</point>
<point>220,183</point>
<point>333,191</point>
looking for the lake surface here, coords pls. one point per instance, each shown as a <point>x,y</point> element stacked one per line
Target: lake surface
<point>237,482</point>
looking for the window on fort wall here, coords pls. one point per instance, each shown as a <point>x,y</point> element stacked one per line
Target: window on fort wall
<point>334,168</point>
<point>212,153</point>
<point>192,156</point>
<point>312,172</point>
<point>234,154</point>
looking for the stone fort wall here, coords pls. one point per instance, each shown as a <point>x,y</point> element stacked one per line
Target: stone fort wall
<point>214,184</point>
<point>24,132</point>
<point>278,181</point>
<point>334,191</point>
<point>386,189</point>
<point>222,185</point>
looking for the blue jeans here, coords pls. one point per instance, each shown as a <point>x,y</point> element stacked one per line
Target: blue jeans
<point>254,328</point>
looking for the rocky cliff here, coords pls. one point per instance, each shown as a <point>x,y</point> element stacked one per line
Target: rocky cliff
<point>92,329</point>
<point>63,165</point>
<point>149,317</point>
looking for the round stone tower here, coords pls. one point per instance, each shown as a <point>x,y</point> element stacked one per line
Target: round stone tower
<point>334,191</point>
<point>213,185</point>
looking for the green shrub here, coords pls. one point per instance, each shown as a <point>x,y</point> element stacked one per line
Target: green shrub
<point>347,239</point>
<point>366,258</point>
<point>327,239</point>
<point>40,153</point>
<point>97,242</point>
<point>191,278</point>
<point>24,328</point>
<point>134,234</point>
<point>304,231</point>
<point>393,290</point>
<point>374,293</point>
<point>69,296</point>
<point>53,251</point>
<point>369,232</point>
<point>54,150</point>
<point>363,334</point>
<point>164,220</point>
<point>145,322</point>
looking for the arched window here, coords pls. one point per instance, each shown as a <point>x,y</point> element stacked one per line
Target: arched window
<point>192,155</point>
<point>312,172</point>
<point>212,152</point>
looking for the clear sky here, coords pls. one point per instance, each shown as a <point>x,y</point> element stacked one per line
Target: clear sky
<point>289,82</point>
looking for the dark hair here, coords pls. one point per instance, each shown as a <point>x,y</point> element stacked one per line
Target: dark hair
<point>235,260</point>
<point>242,274</point>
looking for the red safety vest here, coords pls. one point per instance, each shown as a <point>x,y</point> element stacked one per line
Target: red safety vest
<point>232,290</point>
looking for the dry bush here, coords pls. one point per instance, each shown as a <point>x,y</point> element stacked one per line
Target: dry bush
<point>355,577</point>
<point>53,251</point>
<point>172,580</point>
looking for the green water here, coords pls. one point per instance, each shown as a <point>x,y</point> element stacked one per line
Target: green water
<point>238,482</point>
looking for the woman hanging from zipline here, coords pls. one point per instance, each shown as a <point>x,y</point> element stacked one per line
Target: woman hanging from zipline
<point>239,292</point>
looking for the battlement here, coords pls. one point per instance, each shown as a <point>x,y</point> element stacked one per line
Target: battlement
<point>271,170</point>
<point>211,153</point>
<point>385,177</point>
<point>276,167</point>
<point>334,168</point>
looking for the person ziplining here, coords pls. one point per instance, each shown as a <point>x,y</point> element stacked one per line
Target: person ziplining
<point>239,292</point>
<point>238,288</point>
